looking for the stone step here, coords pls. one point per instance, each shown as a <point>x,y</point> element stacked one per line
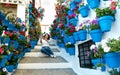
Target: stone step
<point>67,71</point>
<point>43,63</point>
<point>38,50</point>
<point>39,54</point>
<point>46,59</point>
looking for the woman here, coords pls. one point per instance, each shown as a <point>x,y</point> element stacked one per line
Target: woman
<point>45,46</point>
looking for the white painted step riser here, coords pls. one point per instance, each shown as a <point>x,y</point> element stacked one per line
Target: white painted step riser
<point>39,54</point>
<point>39,47</point>
<point>43,65</point>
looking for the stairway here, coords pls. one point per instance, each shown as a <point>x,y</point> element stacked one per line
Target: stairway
<point>36,63</point>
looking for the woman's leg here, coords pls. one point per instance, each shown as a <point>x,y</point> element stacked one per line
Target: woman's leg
<point>49,50</point>
<point>45,51</point>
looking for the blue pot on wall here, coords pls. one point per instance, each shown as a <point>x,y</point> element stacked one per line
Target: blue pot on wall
<point>72,5</point>
<point>30,5</point>
<point>72,41</point>
<point>96,35</point>
<point>73,21</point>
<point>71,51</point>
<point>62,45</point>
<point>70,12</point>
<point>5,22</point>
<point>66,39</point>
<point>112,59</point>
<point>95,62</point>
<point>84,11</point>
<point>5,40</point>
<point>9,68</point>
<point>105,23</point>
<point>3,61</point>
<point>93,3</point>
<point>67,50</point>
<point>77,1</point>
<point>76,37</point>
<point>82,35</point>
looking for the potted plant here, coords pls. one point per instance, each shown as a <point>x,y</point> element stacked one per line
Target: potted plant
<point>95,31</point>
<point>83,10</point>
<point>73,19</point>
<point>93,3</point>
<point>96,54</point>
<point>69,31</point>
<point>70,48</point>
<point>105,18</point>
<point>112,52</point>
<point>4,52</point>
<point>82,31</point>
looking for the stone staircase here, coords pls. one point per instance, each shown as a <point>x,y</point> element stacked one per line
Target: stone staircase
<point>36,63</point>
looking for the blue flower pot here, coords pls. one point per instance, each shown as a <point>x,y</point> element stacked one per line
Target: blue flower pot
<point>112,59</point>
<point>3,61</point>
<point>84,11</point>
<point>30,5</point>
<point>95,62</point>
<point>6,40</point>
<point>93,3</point>
<point>16,66</point>
<point>70,12</point>
<point>76,37</point>
<point>30,23</point>
<point>14,43</point>
<point>82,35</point>
<point>5,22</point>
<point>62,45</point>
<point>72,41</point>
<point>67,50</point>
<point>105,23</point>
<point>9,68</point>
<point>73,21</point>
<point>21,37</point>
<point>22,28</point>
<point>72,5</point>
<point>77,1</point>
<point>71,51</point>
<point>66,39</point>
<point>96,35</point>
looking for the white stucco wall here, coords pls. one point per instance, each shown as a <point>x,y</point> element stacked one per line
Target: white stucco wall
<point>21,12</point>
<point>115,32</point>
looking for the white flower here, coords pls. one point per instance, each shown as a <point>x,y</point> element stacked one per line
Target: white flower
<point>106,49</point>
<point>4,69</point>
<point>69,42</point>
<point>92,46</point>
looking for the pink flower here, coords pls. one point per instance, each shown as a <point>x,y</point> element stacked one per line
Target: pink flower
<point>6,32</point>
<point>1,50</point>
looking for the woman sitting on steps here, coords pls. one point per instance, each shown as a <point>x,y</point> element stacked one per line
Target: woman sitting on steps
<point>45,45</point>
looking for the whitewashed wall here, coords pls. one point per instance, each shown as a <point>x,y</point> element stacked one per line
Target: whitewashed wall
<point>21,12</point>
<point>115,32</point>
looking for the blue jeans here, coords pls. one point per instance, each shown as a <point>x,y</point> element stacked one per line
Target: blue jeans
<point>46,50</point>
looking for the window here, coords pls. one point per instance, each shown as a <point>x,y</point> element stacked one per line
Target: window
<point>85,61</point>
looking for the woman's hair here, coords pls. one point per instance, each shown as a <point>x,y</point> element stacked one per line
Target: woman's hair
<point>48,36</point>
